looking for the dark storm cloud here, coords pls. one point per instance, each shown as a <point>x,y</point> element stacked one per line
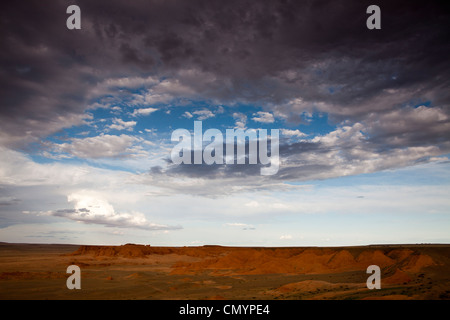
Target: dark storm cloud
<point>274,51</point>
<point>42,85</point>
<point>285,56</point>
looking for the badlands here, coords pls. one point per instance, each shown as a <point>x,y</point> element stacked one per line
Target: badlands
<point>131,271</point>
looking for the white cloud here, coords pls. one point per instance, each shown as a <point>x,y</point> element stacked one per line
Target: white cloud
<point>343,135</point>
<point>264,117</point>
<point>102,146</point>
<point>307,116</point>
<point>241,120</point>
<point>151,98</point>
<point>286,237</point>
<point>143,111</point>
<point>188,115</point>
<point>90,208</point>
<point>119,124</point>
<point>203,114</point>
<point>116,109</point>
<point>293,133</point>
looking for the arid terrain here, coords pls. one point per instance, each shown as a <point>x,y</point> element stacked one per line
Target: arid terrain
<point>38,271</point>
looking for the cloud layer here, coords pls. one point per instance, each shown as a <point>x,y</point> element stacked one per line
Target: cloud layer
<point>289,57</point>
<point>77,105</point>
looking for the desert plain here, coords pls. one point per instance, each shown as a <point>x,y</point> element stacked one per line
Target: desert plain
<point>131,271</point>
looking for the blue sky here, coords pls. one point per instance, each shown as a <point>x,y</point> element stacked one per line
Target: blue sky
<point>87,116</point>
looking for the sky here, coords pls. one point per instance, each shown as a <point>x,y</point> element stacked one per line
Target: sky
<point>87,117</point>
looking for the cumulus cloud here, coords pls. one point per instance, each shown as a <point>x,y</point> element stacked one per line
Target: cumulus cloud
<point>187,115</point>
<point>240,120</point>
<point>203,114</point>
<point>91,209</point>
<point>143,111</point>
<point>102,146</point>
<point>119,124</point>
<point>293,133</point>
<point>264,117</point>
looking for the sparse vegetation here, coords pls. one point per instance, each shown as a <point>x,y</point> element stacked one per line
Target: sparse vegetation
<point>128,272</point>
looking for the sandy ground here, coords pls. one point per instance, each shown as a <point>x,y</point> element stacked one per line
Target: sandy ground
<point>38,271</point>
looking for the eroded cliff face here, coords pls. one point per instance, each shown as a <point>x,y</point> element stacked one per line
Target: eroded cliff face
<point>238,260</point>
<point>214,272</point>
